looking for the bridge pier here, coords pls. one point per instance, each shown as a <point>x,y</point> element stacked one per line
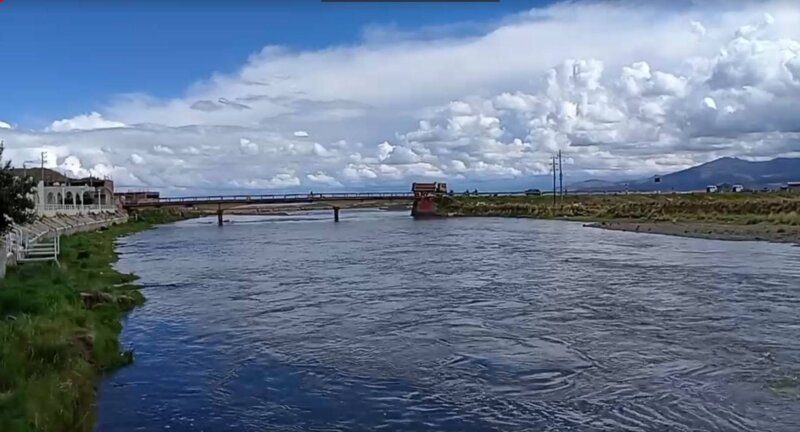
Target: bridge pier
<point>424,207</point>
<point>336,214</point>
<point>219,217</point>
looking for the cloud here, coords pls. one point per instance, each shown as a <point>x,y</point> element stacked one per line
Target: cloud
<point>205,105</point>
<point>4,125</point>
<point>84,122</point>
<point>322,177</point>
<point>669,88</point>
<point>248,147</point>
<point>164,149</point>
<point>698,28</point>
<point>136,159</point>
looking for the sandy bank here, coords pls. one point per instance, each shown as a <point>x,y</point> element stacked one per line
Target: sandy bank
<point>708,230</point>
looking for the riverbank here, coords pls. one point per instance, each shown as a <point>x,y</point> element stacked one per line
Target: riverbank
<point>59,330</point>
<point>707,230</point>
<point>741,216</point>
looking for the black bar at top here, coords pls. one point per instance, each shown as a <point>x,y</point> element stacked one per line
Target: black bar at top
<point>410,1</point>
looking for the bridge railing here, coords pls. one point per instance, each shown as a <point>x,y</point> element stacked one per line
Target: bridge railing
<point>297,197</point>
<point>316,196</point>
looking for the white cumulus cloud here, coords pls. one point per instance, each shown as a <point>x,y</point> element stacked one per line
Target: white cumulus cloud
<point>321,177</point>
<point>636,88</point>
<point>84,122</point>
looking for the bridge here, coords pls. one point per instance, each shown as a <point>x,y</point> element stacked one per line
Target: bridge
<point>227,202</point>
<point>422,203</point>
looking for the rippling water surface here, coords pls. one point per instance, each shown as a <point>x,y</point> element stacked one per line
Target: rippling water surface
<point>381,322</point>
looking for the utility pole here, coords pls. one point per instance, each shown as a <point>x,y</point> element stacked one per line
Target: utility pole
<point>42,179</point>
<point>554,181</point>
<point>560,178</point>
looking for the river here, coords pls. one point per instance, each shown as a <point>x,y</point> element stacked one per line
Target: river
<point>381,322</point>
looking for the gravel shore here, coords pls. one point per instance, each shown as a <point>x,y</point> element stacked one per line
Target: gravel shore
<point>716,231</point>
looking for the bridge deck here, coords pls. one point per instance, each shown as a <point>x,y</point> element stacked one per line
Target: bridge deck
<point>271,199</point>
<point>290,198</point>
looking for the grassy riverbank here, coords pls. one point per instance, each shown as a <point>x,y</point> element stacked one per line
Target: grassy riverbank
<point>738,216</point>
<point>59,330</point>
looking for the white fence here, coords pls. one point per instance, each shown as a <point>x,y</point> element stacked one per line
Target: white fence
<point>74,209</point>
<point>19,241</point>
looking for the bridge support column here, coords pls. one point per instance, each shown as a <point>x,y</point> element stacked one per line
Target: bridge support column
<point>336,214</point>
<point>424,207</point>
<point>219,217</point>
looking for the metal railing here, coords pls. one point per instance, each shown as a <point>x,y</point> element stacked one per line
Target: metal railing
<point>25,244</point>
<point>19,242</point>
<point>299,197</point>
<point>316,196</point>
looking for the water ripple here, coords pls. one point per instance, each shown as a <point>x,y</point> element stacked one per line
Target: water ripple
<point>383,323</point>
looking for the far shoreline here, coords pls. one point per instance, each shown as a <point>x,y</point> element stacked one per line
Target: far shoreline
<point>773,217</point>
<point>702,230</point>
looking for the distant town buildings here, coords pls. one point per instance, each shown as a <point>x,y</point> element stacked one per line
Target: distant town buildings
<point>137,196</point>
<point>793,186</point>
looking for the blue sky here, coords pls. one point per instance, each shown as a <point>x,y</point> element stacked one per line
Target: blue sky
<point>303,95</point>
<point>62,57</point>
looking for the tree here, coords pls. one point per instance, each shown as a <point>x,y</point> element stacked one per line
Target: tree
<point>16,201</point>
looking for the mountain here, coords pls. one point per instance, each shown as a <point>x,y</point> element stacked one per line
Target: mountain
<point>727,170</point>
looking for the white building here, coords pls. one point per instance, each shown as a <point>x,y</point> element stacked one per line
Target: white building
<point>66,199</point>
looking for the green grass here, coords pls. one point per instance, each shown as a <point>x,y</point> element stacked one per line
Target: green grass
<point>735,208</point>
<point>53,343</point>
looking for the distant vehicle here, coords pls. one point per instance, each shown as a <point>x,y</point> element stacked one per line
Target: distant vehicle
<point>429,188</point>
<point>737,188</point>
<point>711,188</point>
<point>533,192</point>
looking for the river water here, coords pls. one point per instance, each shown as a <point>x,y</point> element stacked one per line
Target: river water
<point>381,322</point>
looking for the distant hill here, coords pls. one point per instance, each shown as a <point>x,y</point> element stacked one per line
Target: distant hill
<point>727,170</point>
<point>36,172</point>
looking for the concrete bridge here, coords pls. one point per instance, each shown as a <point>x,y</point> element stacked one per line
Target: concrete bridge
<point>229,202</point>
<point>422,198</point>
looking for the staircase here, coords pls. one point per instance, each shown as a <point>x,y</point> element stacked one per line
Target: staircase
<point>42,250</point>
<point>31,246</point>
